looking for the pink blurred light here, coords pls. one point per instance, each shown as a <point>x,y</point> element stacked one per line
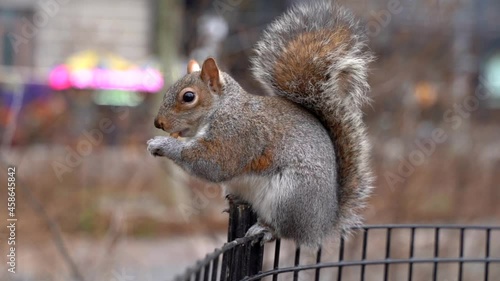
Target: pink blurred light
<point>140,80</point>
<point>59,78</point>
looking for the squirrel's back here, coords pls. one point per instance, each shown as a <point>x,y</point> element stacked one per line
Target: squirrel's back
<point>316,55</point>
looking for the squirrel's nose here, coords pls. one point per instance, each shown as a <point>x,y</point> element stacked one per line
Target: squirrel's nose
<point>158,124</point>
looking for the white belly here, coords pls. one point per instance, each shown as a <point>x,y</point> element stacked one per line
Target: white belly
<point>261,192</point>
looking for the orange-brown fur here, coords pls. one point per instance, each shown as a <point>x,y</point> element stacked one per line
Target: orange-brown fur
<point>260,163</point>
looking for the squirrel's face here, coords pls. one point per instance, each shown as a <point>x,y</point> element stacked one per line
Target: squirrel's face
<point>190,100</point>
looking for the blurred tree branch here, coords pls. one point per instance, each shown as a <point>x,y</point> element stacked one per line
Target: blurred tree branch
<point>51,223</point>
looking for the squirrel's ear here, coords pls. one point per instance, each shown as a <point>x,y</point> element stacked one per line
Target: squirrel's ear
<point>193,66</point>
<point>210,75</point>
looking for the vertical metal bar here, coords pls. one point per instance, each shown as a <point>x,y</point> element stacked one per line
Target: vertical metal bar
<point>296,263</point>
<point>250,256</point>
<point>236,264</point>
<point>240,214</point>
<point>215,269</point>
<point>224,275</point>
<point>198,275</point>
<point>226,257</point>
<point>255,258</point>
<point>277,246</point>
<point>363,253</point>
<point>412,253</point>
<point>487,255</point>
<point>341,258</point>
<point>461,254</point>
<point>318,260</point>
<point>387,253</point>
<point>205,272</point>
<point>436,254</point>
<point>243,252</point>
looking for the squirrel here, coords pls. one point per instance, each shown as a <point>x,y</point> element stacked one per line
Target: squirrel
<point>299,154</point>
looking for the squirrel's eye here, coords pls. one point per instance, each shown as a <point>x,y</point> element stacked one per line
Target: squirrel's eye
<point>188,96</point>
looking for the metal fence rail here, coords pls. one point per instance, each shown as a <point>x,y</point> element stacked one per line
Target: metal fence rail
<point>375,252</point>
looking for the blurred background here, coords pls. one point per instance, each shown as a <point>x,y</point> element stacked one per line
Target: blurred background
<point>81,81</point>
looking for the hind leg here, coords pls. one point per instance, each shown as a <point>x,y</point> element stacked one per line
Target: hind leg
<point>305,207</point>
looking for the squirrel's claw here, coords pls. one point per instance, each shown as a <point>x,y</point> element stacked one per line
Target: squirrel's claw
<point>234,199</point>
<point>259,228</point>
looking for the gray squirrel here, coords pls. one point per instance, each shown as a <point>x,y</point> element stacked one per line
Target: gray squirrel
<point>300,154</point>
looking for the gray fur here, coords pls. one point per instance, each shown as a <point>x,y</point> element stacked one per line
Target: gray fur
<point>297,194</point>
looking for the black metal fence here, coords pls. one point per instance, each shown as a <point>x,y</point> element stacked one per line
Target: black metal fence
<point>377,252</point>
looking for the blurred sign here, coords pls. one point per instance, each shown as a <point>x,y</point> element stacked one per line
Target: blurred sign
<point>117,98</point>
<point>88,70</point>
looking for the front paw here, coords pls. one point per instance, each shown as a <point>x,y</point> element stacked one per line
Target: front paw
<point>156,146</point>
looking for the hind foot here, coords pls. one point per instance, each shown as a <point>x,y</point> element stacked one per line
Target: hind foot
<point>258,228</point>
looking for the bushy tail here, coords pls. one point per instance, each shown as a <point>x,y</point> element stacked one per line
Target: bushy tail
<point>316,56</point>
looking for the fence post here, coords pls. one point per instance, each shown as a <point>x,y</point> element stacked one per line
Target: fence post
<point>246,259</point>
